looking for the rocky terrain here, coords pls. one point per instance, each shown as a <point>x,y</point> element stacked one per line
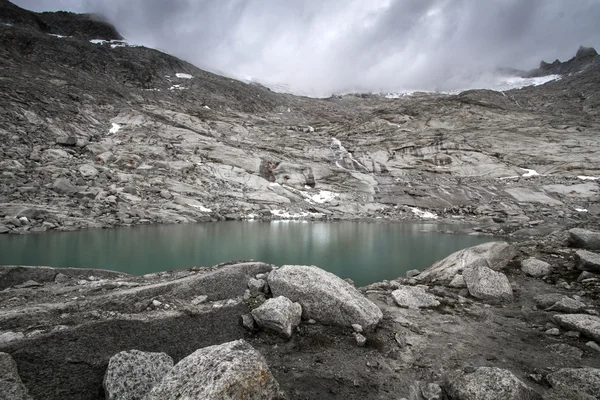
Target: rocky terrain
<point>98,133</point>
<point>95,132</point>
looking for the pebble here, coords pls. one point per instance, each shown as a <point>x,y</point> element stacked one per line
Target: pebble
<point>553,332</point>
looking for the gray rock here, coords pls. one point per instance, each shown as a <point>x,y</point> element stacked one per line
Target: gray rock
<point>485,284</point>
<point>458,282</point>
<point>357,328</point>
<point>256,286</point>
<point>587,275</point>
<point>553,332</point>
<point>588,325</point>
<point>11,386</point>
<point>7,337</point>
<point>488,383</point>
<point>567,305</point>
<point>132,374</point>
<point>199,300</point>
<point>586,380</point>
<point>412,273</point>
<point>248,322</point>
<point>165,194</point>
<point>64,186</point>
<point>547,300</point>
<point>536,268</point>
<point>232,370</point>
<point>88,171</point>
<point>360,339</point>
<point>432,391</point>
<point>414,297</point>
<point>587,261</point>
<point>278,314</point>
<point>4,229</point>
<point>584,239</point>
<point>495,255</point>
<point>323,296</point>
<point>593,345</point>
<point>566,351</point>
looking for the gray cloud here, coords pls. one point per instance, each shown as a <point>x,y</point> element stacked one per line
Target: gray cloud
<point>321,47</point>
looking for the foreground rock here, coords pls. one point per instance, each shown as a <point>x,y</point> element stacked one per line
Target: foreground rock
<point>485,284</point>
<point>494,255</point>
<point>11,387</point>
<point>576,380</point>
<point>584,239</point>
<point>132,374</point>
<point>536,268</point>
<point>414,297</point>
<point>488,384</point>
<point>587,261</point>
<point>231,370</point>
<point>323,296</point>
<point>278,314</point>
<point>588,325</point>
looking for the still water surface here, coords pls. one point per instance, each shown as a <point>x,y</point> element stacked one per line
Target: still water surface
<point>364,252</point>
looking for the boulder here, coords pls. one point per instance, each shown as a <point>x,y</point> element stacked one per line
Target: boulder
<point>323,296</point>
<point>495,255</point>
<point>588,325</point>
<point>88,171</point>
<point>536,268</point>
<point>64,186</point>
<point>568,305</point>
<point>488,383</point>
<point>547,300</point>
<point>278,314</point>
<point>586,380</point>
<point>587,261</point>
<point>485,284</point>
<point>584,239</point>
<point>458,282</point>
<point>232,370</point>
<point>11,386</point>
<point>256,286</point>
<point>414,297</point>
<point>132,374</point>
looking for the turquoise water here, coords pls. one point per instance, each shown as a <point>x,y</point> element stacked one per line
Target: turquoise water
<point>364,252</point>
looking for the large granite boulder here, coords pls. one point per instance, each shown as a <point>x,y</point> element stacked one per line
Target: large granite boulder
<point>587,261</point>
<point>536,268</point>
<point>132,374</point>
<point>488,383</point>
<point>588,325</point>
<point>414,297</point>
<point>584,239</point>
<point>495,255</point>
<point>11,386</point>
<point>323,296</point>
<point>232,370</point>
<point>583,380</point>
<point>486,284</point>
<point>278,314</point>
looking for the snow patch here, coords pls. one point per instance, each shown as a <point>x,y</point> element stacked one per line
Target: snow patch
<point>581,210</point>
<point>201,208</point>
<point>530,172</point>
<point>115,128</point>
<point>207,107</point>
<point>287,215</point>
<point>588,178</point>
<point>183,76</point>
<point>324,196</point>
<point>423,214</point>
<point>342,153</point>
<point>58,36</point>
<point>177,87</point>
<point>113,43</point>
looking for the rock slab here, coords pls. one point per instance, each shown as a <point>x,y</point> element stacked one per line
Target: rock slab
<point>232,370</point>
<point>414,297</point>
<point>587,261</point>
<point>488,383</point>
<point>278,314</point>
<point>11,386</point>
<point>323,296</point>
<point>132,374</point>
<point>584,239</point>
<point>486,284</point>
<point>586,380</point>
<point>536,268</point>
<point>588,325</point>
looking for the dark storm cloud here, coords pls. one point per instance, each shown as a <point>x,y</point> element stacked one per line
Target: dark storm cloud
<point>342,45</point>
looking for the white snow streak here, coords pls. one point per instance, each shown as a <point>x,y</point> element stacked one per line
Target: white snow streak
<point>582,210</point>
<point>183,76</point>
<point>201,208</point>
<point>115,128</point>
<point>423,214</point>
<point>530,172</point>
<point>588,178</point>
<point>324,196</point>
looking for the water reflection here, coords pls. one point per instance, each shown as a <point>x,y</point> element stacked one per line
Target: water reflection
<point>365,252</point>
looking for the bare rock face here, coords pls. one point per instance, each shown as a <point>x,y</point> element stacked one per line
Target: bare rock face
<point>588,325</point>
<point>231,370</point>
<point>582,380</point>
<point>414,297</point>
<point>494,255</point>
<point>485,284</point>
<point>584,239</point>
<point>11,386</point>
<point>488,384</point>
<point>323,296</point>
<point>279,314</point>
<point>132,374</point>
<point>587,261</point>
<point>536,268</point>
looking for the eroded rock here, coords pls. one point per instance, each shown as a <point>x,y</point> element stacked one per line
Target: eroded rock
<point>485,284</point>
<point>588,325</point>
<point>414,297</point>
<point>278,314</point>
<point>584,239</point>
<point>488,383</point>
<point>587,261</point>
<point>586,380</point>
<point>11,386</point>
<point>536,268</point>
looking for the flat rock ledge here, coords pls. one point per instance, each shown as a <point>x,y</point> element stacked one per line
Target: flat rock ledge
<point>588,325</point>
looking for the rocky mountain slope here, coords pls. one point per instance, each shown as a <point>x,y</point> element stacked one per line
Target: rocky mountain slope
<point>98,133</point>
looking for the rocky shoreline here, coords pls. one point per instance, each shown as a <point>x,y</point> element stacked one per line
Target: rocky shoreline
<point>500,320</point>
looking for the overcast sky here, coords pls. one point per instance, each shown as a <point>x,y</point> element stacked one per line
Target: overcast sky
<point>325,46</point>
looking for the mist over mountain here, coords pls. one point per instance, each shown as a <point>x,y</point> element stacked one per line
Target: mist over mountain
<point>339,46</point>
